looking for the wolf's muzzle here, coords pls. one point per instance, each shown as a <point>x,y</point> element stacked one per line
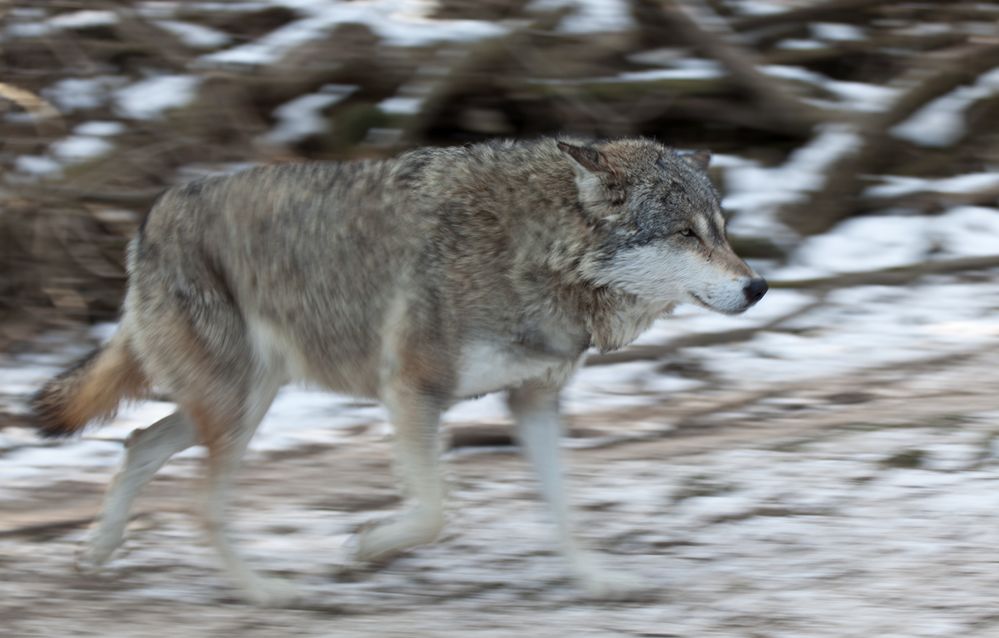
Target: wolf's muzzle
<point>755,290</point>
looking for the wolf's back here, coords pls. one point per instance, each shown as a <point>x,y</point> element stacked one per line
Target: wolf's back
<point>89,391</point>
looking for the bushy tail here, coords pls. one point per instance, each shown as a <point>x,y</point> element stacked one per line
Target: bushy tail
<point>89,391</point>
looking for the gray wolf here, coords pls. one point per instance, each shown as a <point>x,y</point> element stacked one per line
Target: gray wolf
<point>442,274</point>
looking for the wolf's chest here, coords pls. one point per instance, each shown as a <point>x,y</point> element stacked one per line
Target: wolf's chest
<point>486,367</point>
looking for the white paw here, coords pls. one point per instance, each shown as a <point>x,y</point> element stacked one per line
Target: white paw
<point>265,591</point>
<point>93,554</point>
<point>382,542</point>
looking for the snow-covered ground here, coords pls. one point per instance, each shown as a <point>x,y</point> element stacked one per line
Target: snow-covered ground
<point>862,504</point>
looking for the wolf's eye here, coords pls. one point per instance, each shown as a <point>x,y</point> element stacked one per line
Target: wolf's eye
<point>686,232</point>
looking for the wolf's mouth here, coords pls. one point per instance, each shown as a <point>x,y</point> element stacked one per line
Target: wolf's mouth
<point>701,302</point>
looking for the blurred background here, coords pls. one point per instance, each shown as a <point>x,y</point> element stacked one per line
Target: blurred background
<point>836,445</point>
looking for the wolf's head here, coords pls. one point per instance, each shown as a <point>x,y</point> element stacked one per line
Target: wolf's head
<point>661,228</point>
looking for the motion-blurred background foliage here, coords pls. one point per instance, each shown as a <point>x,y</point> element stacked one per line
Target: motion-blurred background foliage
<point>104,103</point>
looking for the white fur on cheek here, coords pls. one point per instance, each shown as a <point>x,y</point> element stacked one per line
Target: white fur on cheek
<point>655,272</point>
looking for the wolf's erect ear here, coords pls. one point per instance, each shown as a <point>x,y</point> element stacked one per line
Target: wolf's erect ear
<point>698,159</point>
<point>586,158</point>
<point>596,181</point>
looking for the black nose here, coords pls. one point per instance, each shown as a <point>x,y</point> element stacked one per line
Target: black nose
<point>755,289</point>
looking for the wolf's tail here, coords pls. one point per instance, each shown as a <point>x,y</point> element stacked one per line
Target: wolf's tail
<point>90,390</point>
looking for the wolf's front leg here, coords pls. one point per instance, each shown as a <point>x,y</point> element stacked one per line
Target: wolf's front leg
<point>416,419</point>
<point>535,408</point>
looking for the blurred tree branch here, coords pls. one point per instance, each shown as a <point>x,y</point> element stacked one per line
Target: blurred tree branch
<point>776,100</point>
<point>929,78</point>
<point>42,113</point>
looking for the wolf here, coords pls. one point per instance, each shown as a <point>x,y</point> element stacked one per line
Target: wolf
<point>420,281</point>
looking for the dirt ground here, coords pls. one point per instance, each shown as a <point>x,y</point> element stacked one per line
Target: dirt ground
<point>859,505</point>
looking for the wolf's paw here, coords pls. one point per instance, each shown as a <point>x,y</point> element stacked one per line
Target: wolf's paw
<point>266,591</point>
<point>380,543</point>
<point>92,555</point>
<point>376,544</point>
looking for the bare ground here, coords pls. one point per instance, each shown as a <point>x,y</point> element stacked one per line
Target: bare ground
<point>859,505</point>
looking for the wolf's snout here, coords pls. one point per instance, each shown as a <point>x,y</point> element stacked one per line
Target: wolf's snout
<point>755,289</point>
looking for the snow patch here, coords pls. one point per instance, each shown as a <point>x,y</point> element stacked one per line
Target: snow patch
<point>77,94</point>
<point>100,128</point>
<point>967,231</point>
<point>755,193</point>
<point>27,30</point>
<point>707,71</point>
<point>865,243</point>
<point>400,105</point>
<point>302,117</point>
<point>797,44</point>
<point>589,16</point>
<point>837,32</point>
<point>195,36</point>
<point>83,19</point>
<point>38,165</point>
<point>150,98</point>
<point>857,96</point>
<point>87,142</point>
<point>400,24</point>
<point>757,7</point>
<point>882,241</point>
<point>80,148</point>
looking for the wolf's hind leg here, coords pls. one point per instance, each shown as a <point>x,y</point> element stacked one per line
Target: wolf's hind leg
<point>416,418</point>
<point>146,450</point>
<point>227,438</point>
<point>535,408</point>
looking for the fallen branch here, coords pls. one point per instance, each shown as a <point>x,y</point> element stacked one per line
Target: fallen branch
<point>893,276</point>
<point>654,353</point>
<point>141,198</point>
<point>934,201</point>
<point>679,423</point>
<point>874,47</point>
<point>47,528</point>
<point>33,523</point>
<point>44,116</point>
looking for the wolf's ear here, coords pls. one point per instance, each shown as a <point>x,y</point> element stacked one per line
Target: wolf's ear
<point>596,180</point>
<point>698,159</point>
<point>585,157</point>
